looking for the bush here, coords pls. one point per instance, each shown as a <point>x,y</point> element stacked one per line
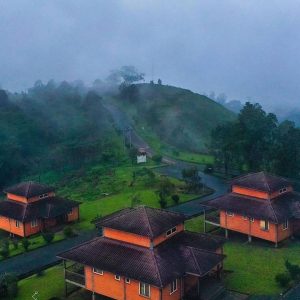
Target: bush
<point>283,279</point>
<point>175,198</point>
<point>8,286</point>
<point>162,203</point>
<point>68,232</point>
<point>293,270</point>
<point>157,158</point>
<point>15,243</point>
<point>25,243</point>
<point>48,236</point>
<point>4,248</point>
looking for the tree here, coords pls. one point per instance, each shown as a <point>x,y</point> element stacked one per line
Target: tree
<point>175,198</point>
<point>135,200</point>
<point>4,247</point>
<point>8,286</point>
<point>294,270</point>
<point>159,82</point>
<point>25,243</point>
<point>283,279</point>
<point>192,179</point>
<point>48,236</point>
<point>126,74</point>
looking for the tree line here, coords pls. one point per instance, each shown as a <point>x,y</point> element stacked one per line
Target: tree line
<point>256,141</point>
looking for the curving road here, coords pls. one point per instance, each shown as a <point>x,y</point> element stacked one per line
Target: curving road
<point>174,167</point>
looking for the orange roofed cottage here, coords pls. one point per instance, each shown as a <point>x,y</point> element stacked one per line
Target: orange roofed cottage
<point>259,205</point>
<point>32,207</point>
<point>145,253</point>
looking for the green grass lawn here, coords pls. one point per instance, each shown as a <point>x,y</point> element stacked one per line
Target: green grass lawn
<point>36,241</point>
<point>50,284</point>
<point>254,265</point>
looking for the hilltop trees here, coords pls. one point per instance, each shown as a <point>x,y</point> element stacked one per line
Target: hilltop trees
<point>257,141</point>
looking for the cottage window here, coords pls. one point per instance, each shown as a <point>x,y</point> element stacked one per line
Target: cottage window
<point>229,213</point>
<point>43,196</point>
<point>251,220</point>
<point>264,225</point>
<point>245,217</point>
<point>173,286</point>
<point>117,277</point>
<point>34,223</point>
<point>127,280</point>
<point>282,190</point>
<point>17,224</point>
<point>145,289</point>
<point>171,231</point>
<point>285,224</point>
<point>70,212</point>
<point>97,271</point>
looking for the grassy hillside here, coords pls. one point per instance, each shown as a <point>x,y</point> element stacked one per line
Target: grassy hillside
<point>171,115</point>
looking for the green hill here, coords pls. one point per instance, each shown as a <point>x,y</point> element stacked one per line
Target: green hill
<point>174,116</point>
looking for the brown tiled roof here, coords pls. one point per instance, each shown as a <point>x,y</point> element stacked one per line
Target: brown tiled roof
<point>29,189</point>
<point>158,266</point>
<point>142,220</point>
<point>275,210</point>
<point>261,181</point>
<point>50,207</point>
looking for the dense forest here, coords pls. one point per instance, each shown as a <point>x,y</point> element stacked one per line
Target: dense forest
<point>256,141</point>
<point>54,127</point>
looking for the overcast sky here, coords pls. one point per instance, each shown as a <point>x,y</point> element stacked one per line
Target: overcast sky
<point>242,48</point>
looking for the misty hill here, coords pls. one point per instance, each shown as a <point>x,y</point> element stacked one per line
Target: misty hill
<point>53,128</point>
<point>177,116</point>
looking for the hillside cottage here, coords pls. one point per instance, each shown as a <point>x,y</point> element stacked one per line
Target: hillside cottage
<point>31,207</point>
<point>259,205</point>
<point>145,253</point>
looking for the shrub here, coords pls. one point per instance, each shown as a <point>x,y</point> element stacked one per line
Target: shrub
<point>48,236</point>
<point>175,198</point>
<point>8,286</point>
<point>25,243</point>
<point>157,158</point>
<point>293,270</point>
<point>15,243</point>
<point>4,248</point>
<point>68,232</point>
<point>282,279</point>
<point>162,203</point>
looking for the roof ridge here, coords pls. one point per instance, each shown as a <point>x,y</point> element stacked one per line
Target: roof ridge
<point>149,223</point>
<point>156,266</point>
<point>195,260</point>
<point>28,188</point>
<point>270,203</point>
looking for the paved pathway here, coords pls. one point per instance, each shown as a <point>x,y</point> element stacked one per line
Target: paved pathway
<point>32,261</point>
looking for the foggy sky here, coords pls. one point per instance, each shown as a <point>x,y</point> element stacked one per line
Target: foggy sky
<point>242,48</point>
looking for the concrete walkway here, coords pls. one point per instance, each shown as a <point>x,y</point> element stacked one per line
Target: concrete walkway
<point>28,263</point>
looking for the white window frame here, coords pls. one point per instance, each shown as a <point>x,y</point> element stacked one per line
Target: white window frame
<point>127,280</point>
<point>282,190</point>
<point>17,224</point>
<point>229,213</point>
<point>173,286</point>
<point>98,271</point>
<point>245,217</point>
<point>266,225</point>
<point>171,231</point>
<point>70,212</point>
<point>43,196</point>
<point>117,277</point>
<point>142,289</point>
<point>285,224</point>
<point>34,223</point>
<point>251,220</point>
